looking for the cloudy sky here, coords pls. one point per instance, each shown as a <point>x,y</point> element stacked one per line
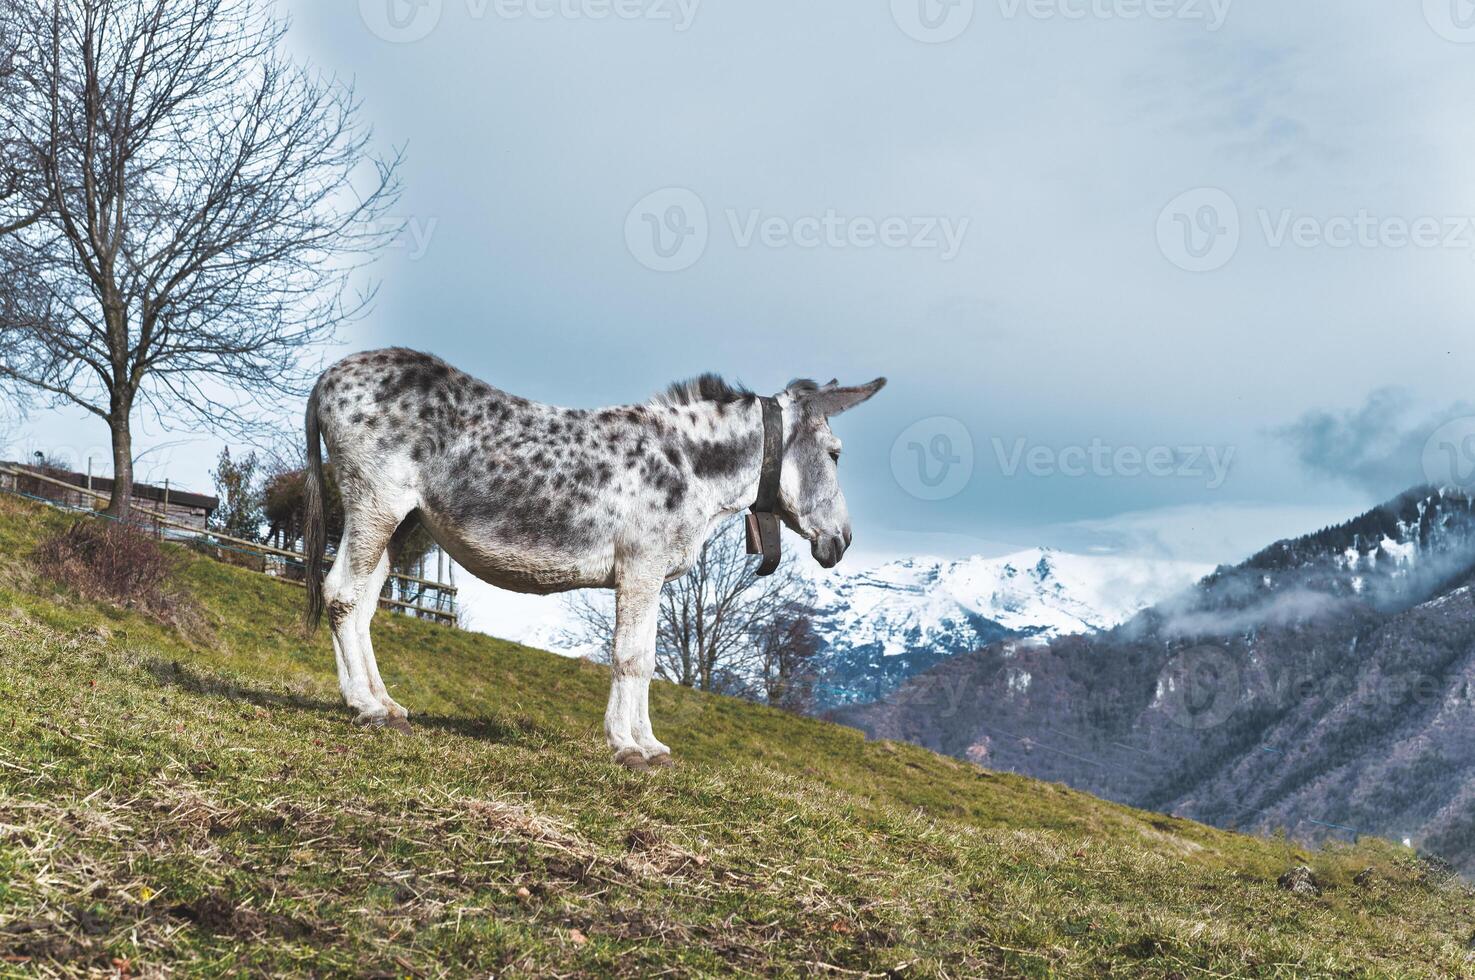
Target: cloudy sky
<point>1179,276</point>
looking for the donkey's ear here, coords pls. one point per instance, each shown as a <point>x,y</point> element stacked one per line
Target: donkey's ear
<point>832,401</point>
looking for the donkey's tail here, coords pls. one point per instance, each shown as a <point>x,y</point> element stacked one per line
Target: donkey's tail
<point>314,517</point>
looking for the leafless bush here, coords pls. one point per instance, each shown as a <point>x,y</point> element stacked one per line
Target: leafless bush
<point>115,563</point>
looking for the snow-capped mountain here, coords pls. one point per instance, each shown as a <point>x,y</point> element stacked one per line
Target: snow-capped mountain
<point>882,625</point>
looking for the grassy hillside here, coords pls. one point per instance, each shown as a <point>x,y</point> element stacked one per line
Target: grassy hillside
<point>198,803</point>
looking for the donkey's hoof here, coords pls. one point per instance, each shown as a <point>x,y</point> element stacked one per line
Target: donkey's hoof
<point>631,759</point>
<point>391,722</point>
<point>661,761</point>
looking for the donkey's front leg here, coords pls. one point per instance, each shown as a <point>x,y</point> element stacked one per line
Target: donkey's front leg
<point>627,719</point>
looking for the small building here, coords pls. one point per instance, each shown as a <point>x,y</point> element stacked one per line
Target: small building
<point>192,509</point>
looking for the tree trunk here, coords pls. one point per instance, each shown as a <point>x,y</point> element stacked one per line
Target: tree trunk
<point>122,501</point>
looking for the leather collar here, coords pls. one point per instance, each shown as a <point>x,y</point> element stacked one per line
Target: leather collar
<point>762,522</point>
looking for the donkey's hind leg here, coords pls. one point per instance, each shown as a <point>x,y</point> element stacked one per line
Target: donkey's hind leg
<point>351,590</point>
<point>363,616</point>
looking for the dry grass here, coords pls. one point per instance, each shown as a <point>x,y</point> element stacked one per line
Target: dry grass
<point>179,805</point>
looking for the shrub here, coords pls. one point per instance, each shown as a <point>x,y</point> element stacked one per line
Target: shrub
<point>115,562</point>
<point>242,508</point>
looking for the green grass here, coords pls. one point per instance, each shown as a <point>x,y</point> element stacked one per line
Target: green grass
<point>199,804</point>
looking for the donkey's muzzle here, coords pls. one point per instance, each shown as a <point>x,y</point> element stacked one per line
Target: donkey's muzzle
<point>828,549</point>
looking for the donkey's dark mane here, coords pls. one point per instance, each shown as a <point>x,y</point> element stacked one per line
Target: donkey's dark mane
<point>714,388</point>
<point>704,388</point>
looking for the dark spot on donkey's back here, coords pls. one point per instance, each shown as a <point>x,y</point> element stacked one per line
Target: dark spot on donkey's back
<point>709,458</point>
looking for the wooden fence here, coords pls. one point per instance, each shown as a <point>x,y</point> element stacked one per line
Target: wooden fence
<point>431,600</point>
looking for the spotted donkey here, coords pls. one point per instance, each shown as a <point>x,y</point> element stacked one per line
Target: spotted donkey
<point>540,499</point>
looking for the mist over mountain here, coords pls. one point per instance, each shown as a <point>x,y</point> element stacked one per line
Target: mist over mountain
<point>1324,685</point>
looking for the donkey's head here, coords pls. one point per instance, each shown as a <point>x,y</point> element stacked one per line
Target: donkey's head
<point>810,501</point>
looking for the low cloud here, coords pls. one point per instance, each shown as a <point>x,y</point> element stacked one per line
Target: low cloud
<point>1377,447</point>
<point>1284,609</point>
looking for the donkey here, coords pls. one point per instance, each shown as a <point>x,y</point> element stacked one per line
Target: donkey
<point>535,498</point>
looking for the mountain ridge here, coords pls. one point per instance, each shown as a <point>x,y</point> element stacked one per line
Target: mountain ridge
<point>1261,697</point>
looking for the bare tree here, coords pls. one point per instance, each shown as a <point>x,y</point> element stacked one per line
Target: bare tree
<point>713,619</point>
<point>204,203</point>
<point>786,647</point>
<point>22,195</point>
